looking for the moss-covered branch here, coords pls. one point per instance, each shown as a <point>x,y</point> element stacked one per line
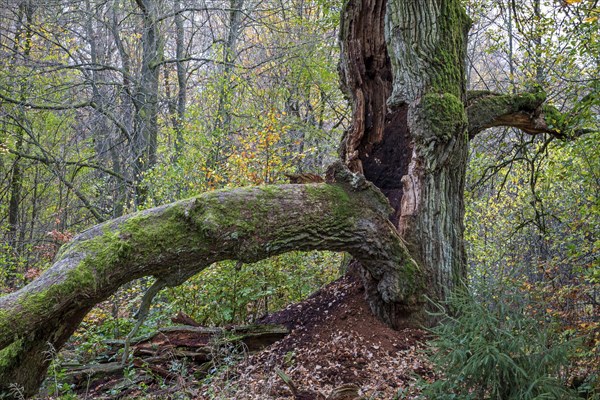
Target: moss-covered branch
<point>526,111</point>
<point>176,241</point>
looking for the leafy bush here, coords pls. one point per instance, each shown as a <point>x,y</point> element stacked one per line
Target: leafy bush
<point>494,350</point>
<point>231,293</point>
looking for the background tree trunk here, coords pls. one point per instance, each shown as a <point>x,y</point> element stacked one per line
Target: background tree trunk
<point>178,111</point>
<point>16,230</point>
<point>407,85</point>
<point>146,96</point>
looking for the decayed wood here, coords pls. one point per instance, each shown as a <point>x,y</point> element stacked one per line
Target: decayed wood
<point>199,341</point>
<point>183,319</point>
<point>175,241</point>
<point>366,79</point>
<point>405,77</point>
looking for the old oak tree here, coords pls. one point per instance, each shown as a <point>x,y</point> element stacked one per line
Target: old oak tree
<point>394,201</point>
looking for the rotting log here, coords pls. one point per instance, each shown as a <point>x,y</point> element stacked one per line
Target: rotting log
<point>199,340</point>
<point>191,342</point>
<point>175,241</point>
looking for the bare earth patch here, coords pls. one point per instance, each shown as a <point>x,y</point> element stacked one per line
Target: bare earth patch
<point>336,350</point>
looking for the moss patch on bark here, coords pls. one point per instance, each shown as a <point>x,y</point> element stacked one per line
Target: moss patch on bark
<point>445,115</point>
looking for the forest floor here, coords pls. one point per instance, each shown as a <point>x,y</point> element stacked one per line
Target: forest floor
<point>336,349</point>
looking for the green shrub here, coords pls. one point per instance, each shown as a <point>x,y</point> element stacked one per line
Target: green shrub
<point>231,293</point>
<point>494,350</point>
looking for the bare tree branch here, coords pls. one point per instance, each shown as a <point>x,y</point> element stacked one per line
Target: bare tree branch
<point>48,161</point>
<point>50,107</point>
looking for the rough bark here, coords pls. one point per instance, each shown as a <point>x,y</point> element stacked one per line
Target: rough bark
<point>406,80</point>
<point>525,111</point>
<point>176,241</point>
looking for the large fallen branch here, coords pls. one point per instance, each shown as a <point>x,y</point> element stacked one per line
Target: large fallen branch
<point>199,344</point>
<point>176,241</point>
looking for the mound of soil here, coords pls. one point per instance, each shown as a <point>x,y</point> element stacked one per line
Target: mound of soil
<point>336,350</point>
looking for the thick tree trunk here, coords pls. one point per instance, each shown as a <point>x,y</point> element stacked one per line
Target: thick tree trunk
<point>405,77</point>
<point>176,241</point>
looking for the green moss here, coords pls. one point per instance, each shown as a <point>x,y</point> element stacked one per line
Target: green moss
<point>321,193</point>
<point>9,354</point>
<point>448,75</point>
<point>488,106</point>
<point>445,114</point>
<point>105,250</point>
<point>412,280</point>
<point>554,118</point>
<point>146,237</point>
<point>140,238</point>
<point>270,191</point>
<point>528,101</point>
<point>335,195</point>
<point>222,215</point>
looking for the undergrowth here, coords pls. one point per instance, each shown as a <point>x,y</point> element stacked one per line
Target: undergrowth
<point>495,350</point>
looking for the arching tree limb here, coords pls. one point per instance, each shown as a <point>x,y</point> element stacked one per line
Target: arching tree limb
<point>525,111</point>
<point>176,241</point>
